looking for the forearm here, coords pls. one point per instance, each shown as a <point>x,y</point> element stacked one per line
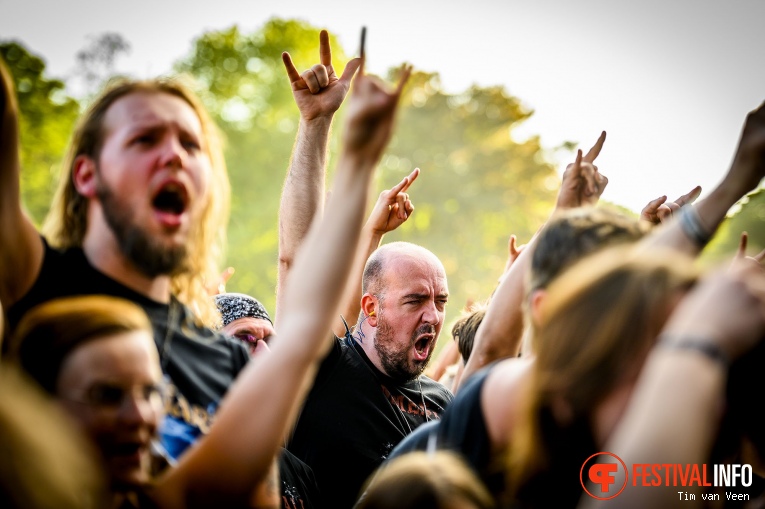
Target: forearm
<point>672,418</point>
<point>302,196</point>
<point>350,304</point>
<point>20,245</point>
<point>235,456</point>
<point>500,333</point>
<point>331,246</point>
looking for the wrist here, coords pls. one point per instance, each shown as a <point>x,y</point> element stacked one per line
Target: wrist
<point>697,344</point>
<point>322,122</point>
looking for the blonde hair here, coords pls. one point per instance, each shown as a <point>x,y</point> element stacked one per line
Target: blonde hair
<point>425,481</point>
<point>66,223</point>
<point>599,320</point>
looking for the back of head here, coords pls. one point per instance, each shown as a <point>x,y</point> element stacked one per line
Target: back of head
<point>49,332</point>
<point>66,223</point>
<point>425,481</point>
<point>576,234</point>
<point>465,328</point>
<point>597,325</point>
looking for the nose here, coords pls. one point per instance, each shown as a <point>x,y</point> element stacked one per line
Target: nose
<point>173,153</point>
<point>138,411</point>
<point>430,314</point>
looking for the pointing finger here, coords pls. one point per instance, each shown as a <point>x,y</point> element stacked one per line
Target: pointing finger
<point>742,245</point>
<point>362,51</point>
<point>398,188</point>
<point>292,72</point>
<point>325,51</point>
<point>595,150</point>
<point>690,197</point>
<point>412,177</point>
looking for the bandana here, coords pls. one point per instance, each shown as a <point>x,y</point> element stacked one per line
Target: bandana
<point>233,306</point>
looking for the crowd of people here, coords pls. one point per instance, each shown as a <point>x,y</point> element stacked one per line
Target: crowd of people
<point>130,379</point>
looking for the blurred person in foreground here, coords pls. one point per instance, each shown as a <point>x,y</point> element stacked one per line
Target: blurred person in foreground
<point>236,457</point>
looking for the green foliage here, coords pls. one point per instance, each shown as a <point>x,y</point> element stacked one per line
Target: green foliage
<point>47,120</point>
<point>244,85</point>
<point>749,218</point>
<point>476,188</point>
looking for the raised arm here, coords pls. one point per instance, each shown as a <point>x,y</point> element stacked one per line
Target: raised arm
<point>318,93</point>
<point>660,210</point>
<point>500,333</point>
<point>263,404</point>
<point>696,224</point>
<point>392,209</point>
<point>674,412</point>
<point>21,249</point>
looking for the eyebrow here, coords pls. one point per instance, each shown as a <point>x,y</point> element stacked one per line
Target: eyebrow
<point>417,296</point>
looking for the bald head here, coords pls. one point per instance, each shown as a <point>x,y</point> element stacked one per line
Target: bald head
<point>390,255</point>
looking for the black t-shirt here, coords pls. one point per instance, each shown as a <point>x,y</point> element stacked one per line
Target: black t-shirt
<point>299,489</point>
<point>354,416</point>
<point>199,363</point>
<point>462,429</point>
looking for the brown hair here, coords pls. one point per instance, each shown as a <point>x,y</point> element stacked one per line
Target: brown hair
<point>48,333</point>
<point>425,481</point>
<point>464,329</point>
<point>66,223</point>
<point>576,233</point>
<point>598,322</point>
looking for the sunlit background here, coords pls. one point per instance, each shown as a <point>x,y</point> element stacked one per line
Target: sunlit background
<point>670,81</point>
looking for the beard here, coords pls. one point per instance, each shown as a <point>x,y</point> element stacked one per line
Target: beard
<point>148,254</point>
<point>395,360</point>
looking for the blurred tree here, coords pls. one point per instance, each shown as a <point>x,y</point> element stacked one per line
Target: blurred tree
<point>243,83</point>
<point>95,62</point>
<point>47,119</point>
<point>477,185</point>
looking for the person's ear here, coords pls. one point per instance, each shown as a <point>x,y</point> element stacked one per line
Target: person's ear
<point>369,308</point>
<point>84,176</point>
<point>536,300</point>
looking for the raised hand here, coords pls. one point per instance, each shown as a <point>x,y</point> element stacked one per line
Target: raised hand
<point>726,309</point>
<point>749,162</point>
<point>318,91</point>
<point>742,259</point>
<point>370,115</point>
<point>582,182</point>
<point>513,251</point>
<point>218,286</point>
<point>393,207</point>
<point>659,210</point>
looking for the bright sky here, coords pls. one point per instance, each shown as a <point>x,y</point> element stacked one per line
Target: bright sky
<point>670,80</point>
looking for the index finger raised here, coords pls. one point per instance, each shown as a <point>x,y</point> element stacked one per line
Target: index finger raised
<point>595,150</point>
<point>292,72</point>
<point>411,178</point>
<point>325,50</point>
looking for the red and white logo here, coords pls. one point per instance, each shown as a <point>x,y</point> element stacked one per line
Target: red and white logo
<point>602,470</point>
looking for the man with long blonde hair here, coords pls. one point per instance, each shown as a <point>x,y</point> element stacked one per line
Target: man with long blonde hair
<point>140,213</point>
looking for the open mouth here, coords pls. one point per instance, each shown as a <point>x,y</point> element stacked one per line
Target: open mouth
<point>172,198</point>
<point>422,347</point>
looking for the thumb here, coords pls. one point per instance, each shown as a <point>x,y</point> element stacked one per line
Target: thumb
<point>350,69</point>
